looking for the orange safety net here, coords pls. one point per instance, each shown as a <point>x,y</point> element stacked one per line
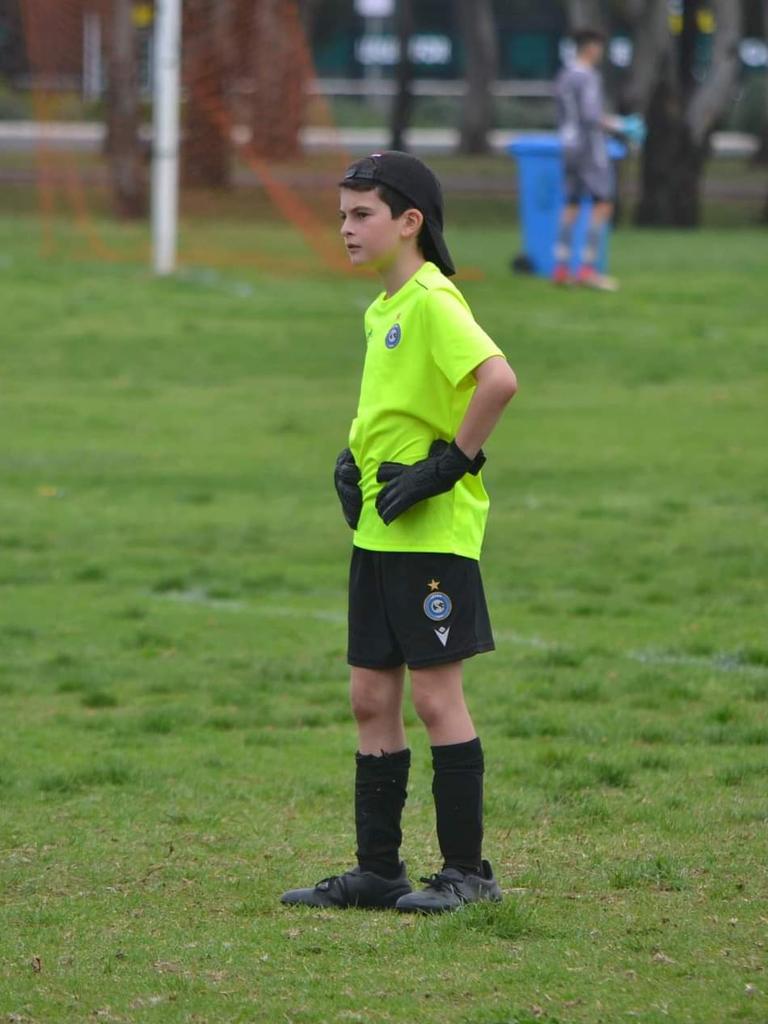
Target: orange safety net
<point>246,65</point>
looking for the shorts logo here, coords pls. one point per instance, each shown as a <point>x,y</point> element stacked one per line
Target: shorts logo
<point>442,634</point>
<point>394,334</point>
<point>437,606</point>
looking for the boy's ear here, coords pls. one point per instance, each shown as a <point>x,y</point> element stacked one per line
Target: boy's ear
<point>412,221</point>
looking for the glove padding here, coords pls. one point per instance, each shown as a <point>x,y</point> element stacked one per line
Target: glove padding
<point>346,479</point>
<point>406,485</point>
<point>633,128</point>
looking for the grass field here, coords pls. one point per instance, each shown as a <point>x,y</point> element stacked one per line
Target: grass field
<point>175,743</point>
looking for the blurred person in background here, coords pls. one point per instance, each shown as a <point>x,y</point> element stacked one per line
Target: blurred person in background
<point>583,127</point>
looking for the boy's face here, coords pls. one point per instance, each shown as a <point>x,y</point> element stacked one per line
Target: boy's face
<point>372,236</point>
<point>593,53</point>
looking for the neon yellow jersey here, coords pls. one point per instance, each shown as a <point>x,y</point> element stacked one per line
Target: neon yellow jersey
<point>422,345</point>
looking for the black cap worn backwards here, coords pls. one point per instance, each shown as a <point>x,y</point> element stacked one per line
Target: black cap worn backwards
<point>414,181</point>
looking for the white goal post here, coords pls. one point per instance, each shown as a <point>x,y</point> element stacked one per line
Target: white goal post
<point>165,135</point>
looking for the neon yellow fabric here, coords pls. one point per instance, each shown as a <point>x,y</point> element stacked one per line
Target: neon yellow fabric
<point>422,345</point>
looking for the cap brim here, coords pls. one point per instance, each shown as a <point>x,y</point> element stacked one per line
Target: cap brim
<point>434,248</point>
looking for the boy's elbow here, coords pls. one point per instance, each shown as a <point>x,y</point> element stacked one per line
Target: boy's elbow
<point>508,383</point>
<point>497,379</point>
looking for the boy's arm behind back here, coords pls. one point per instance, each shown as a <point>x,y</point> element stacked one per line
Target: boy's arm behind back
<point>496,386</point>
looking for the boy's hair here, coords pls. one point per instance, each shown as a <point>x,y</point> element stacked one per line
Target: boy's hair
<point>587,36</point>
<point>403,183</point>
<point>396,202</point>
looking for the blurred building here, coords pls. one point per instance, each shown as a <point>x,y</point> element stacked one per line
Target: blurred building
<point>350,38</point>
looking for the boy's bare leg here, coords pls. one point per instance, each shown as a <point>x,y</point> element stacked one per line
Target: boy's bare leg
<point>569,214</point>
<point>377,704</point>
<point>438,697</point>
<point>562,271</point>
<point>601,212</point>
<point>590,275</point>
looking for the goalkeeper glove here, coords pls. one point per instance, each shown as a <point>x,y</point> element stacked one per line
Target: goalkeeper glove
<point>633,127</point>
<point>346,478</point>
<point>405,485</point>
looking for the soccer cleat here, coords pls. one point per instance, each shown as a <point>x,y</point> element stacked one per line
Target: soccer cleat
<point>450,889</point>
<point>561,275</point>
<point>588,277</point>
<point>355,888</point>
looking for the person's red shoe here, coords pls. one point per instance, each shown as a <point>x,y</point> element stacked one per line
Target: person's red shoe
<point>561,275</point>
<point>588,277</point>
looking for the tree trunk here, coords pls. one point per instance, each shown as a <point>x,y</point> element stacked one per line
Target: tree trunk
<point>681,112</point>
<point>309,11</point>
<point>584,14</point>
<point>124,148</point>
<point>16,57</point>
<point>713,96</point>
<point>478,30</point>
<point>652,43</point>
<point>279,72</point>
<point>206,149</point>
<point>402,104</point>
<point>761,156</point>
<point>759,26</point>
<point>671,165</point>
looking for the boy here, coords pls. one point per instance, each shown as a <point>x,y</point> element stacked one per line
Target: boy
<point>434,385</point>
<point>588,171</point>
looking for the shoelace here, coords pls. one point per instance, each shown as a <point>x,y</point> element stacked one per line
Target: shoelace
<point>440,881</point>
<point>325,883</point>
<point>340,881</point>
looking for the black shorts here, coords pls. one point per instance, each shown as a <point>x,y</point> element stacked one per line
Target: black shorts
<point>588,181</point>
<point>414,607</point>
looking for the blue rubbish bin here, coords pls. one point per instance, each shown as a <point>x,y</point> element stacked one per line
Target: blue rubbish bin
<point>540,166</point>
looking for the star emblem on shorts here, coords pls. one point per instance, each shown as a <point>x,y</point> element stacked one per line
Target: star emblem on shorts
<point>434,584</point>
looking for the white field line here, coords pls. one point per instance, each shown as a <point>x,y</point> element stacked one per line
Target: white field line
<point>321,614</point>
<point>718,662</point>
<point>210,278</point>
<point>523,641</point>
<point>198,595</point>
<point>722,661</point>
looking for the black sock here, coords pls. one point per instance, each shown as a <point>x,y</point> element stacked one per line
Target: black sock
<point>380,791</point>
<point>457,787</point>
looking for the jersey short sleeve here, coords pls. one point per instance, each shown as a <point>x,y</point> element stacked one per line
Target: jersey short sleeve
<point>458,342</point>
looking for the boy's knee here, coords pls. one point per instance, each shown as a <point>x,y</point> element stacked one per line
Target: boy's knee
<point>369,704</point>
<point>430,707</point>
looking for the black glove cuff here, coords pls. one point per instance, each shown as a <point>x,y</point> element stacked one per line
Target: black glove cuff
<point>473,466</point>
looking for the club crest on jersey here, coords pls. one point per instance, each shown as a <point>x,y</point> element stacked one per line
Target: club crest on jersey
<point>394,334</point>
<point>437,606</point>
